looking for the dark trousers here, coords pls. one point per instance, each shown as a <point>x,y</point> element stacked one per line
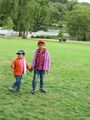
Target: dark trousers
<point>17,84</point>
<point>35,77</point>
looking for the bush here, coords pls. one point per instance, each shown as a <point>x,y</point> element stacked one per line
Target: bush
<point>45,37</point>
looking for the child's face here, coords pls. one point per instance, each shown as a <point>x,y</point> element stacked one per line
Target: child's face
<point>41,46</point>
<point>20,56</point>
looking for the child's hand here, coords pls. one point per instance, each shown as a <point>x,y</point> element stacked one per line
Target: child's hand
<point>12,66</point>
<point>47,71</point>
<point>30,69</point>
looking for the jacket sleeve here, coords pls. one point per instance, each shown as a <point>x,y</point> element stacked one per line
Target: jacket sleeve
<point>33,63</point>
<point>13,64</point>
<point>48,61</point>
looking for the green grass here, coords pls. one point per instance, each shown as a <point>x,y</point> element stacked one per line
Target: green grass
<point>67,84</point>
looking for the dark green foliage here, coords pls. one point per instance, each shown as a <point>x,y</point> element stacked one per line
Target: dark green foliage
<point>27,15</point>
<point>61,1</point>
<point>79,23</point>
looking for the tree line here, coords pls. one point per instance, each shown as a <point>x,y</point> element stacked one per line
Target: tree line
<point>33,15</point>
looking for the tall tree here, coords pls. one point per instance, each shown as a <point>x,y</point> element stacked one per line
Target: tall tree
<point>6,10</point>
<point>57,11</point>
<point>27,15</point>
<point>79,22</point>
<point>41,15</point>
<point>71,4</point>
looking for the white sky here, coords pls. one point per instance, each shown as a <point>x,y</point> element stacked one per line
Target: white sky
<point>84,1</point>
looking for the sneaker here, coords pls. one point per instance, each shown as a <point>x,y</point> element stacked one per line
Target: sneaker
<point>32,91</point>
<point>18,91</point>
<point>42,90</point>
<point>10,88</point>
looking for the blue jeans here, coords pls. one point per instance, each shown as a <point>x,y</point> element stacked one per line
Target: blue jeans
<point>36,74</point>
<point>17,83</point>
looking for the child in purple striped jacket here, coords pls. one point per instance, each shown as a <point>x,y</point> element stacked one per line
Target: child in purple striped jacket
<point>41,64</point>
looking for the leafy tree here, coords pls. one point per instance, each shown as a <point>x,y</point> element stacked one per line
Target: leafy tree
<point>79,22</point>
<point>9,24</point>
<point>41,15</point>
<point>58,11</point>
<point>61,33</point>
<point>71,4</point>
<point>27,15</point>
<point>6,8</point>
<point>24,20</point>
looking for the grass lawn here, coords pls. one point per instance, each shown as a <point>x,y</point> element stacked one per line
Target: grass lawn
<point>67,84</point>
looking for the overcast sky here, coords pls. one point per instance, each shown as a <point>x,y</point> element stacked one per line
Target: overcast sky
<point>84,1</point>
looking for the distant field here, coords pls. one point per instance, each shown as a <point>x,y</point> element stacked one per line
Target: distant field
<point>67,84</point>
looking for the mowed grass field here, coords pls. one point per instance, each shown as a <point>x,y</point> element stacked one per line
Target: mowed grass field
<point>67,84</point>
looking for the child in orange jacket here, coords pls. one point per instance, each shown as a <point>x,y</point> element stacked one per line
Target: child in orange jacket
<point>19,66</point>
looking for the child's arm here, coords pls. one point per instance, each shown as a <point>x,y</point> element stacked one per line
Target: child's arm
<point>13,64</point>
<point>33,63</point>
<point>48,62</point>
<point>29,68</point>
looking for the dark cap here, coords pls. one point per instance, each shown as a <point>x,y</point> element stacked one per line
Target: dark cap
<point>21,52</point>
